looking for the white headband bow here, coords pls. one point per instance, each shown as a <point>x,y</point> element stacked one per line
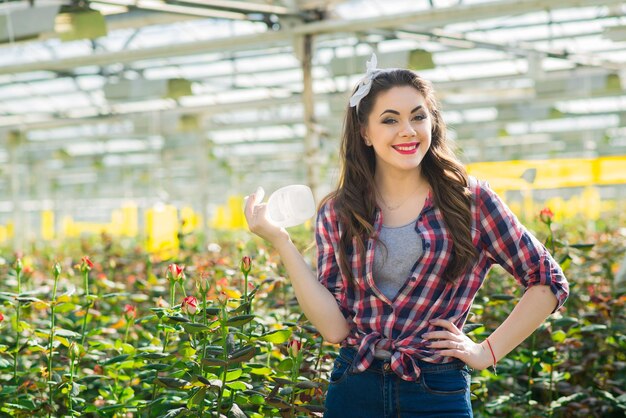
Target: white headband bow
<point>366,82</point>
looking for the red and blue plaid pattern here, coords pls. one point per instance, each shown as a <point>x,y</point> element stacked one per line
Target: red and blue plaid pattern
<point>397,325</point>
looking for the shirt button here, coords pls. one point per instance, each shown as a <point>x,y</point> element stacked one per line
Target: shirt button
<point>427,245</point>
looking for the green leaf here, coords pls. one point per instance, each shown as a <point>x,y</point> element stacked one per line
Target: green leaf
<point>65,308</point>
<point>282,381</point>
<point>197,398</point>
<point>213,361</point>
<point>241,355</point>
<point>285,365</point>
<point>116,359</point>
<point>152,356</point>
<point>311,408</point>
<point>174,412</point>
<point>277,403</point>
<point>176,319</point>
<point>240,308</point>
<point>212,311</point>
<point>558,336</point>
<point>237,321</point>
<point>66,333</point>
<point>155,366</point>
<point>594,328</point>
<point>501,296</point>
<point>27,299</point>
<point>564,322</point>
<point>276,337</point>
<point>233,374</point>
<point>469,328</point>
<point>584,247</point>
<point>237,385</point>
<point>114,295</point>
<point>307,384</point>
<point>194,327</point>
<point>171,382</point>
<point>261,371</point>
<point>186,352</point>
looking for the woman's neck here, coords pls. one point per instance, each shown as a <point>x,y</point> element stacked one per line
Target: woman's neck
<point>399,185</point>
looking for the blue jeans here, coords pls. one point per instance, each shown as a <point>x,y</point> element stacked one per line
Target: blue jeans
<point>441,391</point>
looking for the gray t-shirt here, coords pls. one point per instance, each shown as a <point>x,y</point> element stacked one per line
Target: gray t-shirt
<point>394,261</point>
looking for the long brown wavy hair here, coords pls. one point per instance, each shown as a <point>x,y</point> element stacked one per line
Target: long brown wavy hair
<point>355,199</point>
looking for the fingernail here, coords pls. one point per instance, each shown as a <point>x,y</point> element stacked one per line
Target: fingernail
<point>432,321</point>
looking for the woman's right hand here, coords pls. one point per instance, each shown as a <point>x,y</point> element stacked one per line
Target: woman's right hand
<point>258,223</point>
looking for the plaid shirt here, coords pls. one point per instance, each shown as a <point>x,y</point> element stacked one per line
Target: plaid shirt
<point>397,325</point>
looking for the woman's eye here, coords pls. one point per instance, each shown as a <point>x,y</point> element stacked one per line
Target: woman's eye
<point>389,121</point>
<point>419,117</point>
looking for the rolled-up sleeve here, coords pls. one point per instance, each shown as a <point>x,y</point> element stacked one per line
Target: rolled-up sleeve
<point>328,272</point>
<point>509,244</point>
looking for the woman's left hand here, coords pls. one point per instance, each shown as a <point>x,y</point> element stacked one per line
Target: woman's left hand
<point>454,343</point>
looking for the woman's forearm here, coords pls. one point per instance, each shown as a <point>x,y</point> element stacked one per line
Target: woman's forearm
<point>533,308</point>
<point>315,300</point>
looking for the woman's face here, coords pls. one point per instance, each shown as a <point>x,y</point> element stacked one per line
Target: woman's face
<point>399,129</point>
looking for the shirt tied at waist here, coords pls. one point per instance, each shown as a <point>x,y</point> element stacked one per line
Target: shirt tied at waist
<point>402,360</point>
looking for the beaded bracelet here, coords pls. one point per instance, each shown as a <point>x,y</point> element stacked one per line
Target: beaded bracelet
<point>495,372</point>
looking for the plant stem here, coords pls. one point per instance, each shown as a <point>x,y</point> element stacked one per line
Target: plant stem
<point>126,333</point>
<point>84,329</point>
<point>17,327</point>
<point>51,343</point>
<point>86,284</point>
<point>224,330</point>
<point>205,334</point>
<point>69,392</point>
<point>245,292</point>
<point>530,371</point>
<point>17,342</point>
<point>172,293</point>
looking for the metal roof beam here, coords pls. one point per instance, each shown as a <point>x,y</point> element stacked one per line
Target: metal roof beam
<point>424,19</point>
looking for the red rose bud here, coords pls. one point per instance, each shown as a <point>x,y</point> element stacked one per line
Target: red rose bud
<point>246,265</point>
<point>546,215</point>
<point>1,317</point>
<point>189,305</point>
<point>294,347</point>
<point>175,272</point>
<point>86,264</point>
<point>130,311</point>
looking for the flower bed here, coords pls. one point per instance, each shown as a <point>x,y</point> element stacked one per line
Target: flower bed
<point>121,333</point>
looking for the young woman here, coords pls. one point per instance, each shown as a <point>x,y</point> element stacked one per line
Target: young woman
<point>404,244</point>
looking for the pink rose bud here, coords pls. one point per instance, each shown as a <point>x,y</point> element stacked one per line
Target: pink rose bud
<point>86,264</point>
<point>130,311</point>
<point>175,272</point>
<point>189,305</point>
<point>246,265</point>
<point>294,347</point>
<point>546,215</point>
<point>1,317</point>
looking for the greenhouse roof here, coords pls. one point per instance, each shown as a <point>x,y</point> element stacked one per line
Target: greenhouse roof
<point>201,98</point>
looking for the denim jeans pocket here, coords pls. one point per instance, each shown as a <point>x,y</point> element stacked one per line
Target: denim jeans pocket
<point>446,382</point>
<point>340,370</point>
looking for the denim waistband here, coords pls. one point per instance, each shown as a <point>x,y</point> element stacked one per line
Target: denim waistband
<point>348,353</point>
